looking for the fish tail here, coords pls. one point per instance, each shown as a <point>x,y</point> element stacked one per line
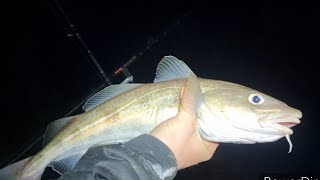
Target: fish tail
<point>13,171</point>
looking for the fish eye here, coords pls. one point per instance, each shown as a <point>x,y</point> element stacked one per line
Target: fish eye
<point>256,99</point>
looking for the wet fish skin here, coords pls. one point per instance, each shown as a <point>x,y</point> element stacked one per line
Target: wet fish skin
<point>225,115</point>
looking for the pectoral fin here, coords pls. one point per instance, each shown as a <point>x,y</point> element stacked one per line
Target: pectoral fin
<point>191,95</point>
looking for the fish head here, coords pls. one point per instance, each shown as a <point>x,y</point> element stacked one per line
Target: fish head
<point>240,114</point>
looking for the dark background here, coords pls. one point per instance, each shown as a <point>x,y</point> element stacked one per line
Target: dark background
<point>269,47</point>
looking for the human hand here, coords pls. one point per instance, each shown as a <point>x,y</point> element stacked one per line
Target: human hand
<point>180,133</point>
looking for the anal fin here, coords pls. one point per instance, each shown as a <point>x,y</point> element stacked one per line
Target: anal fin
<point>67,162</point>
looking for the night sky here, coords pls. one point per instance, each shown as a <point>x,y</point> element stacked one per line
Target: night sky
<point>273,48</point>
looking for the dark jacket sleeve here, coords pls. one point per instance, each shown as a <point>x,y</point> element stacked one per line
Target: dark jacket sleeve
<point>142,158</point>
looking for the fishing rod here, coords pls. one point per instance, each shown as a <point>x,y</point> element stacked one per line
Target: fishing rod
<point>73,34</point>
<point>76,38</point>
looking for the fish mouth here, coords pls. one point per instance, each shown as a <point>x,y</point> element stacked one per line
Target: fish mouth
<point>284,123</point>
<point>288,124</point>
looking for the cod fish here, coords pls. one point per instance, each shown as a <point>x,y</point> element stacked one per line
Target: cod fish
<point>227,113</point>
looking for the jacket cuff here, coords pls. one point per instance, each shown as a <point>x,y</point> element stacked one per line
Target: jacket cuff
<point>156,153</point>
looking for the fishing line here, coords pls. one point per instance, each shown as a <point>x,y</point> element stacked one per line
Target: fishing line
<point>75,36</point>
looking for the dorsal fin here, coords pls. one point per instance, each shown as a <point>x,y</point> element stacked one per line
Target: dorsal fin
<point>54,127</point>
<point>170,68</point>
<point>106,94</point>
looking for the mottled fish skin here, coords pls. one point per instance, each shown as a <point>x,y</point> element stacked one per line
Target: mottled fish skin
<point>226,115</point>
<point>126,116</point>
<point>121,118</point>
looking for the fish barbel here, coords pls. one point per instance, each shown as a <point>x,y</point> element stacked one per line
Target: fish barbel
<point>228,113</point>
